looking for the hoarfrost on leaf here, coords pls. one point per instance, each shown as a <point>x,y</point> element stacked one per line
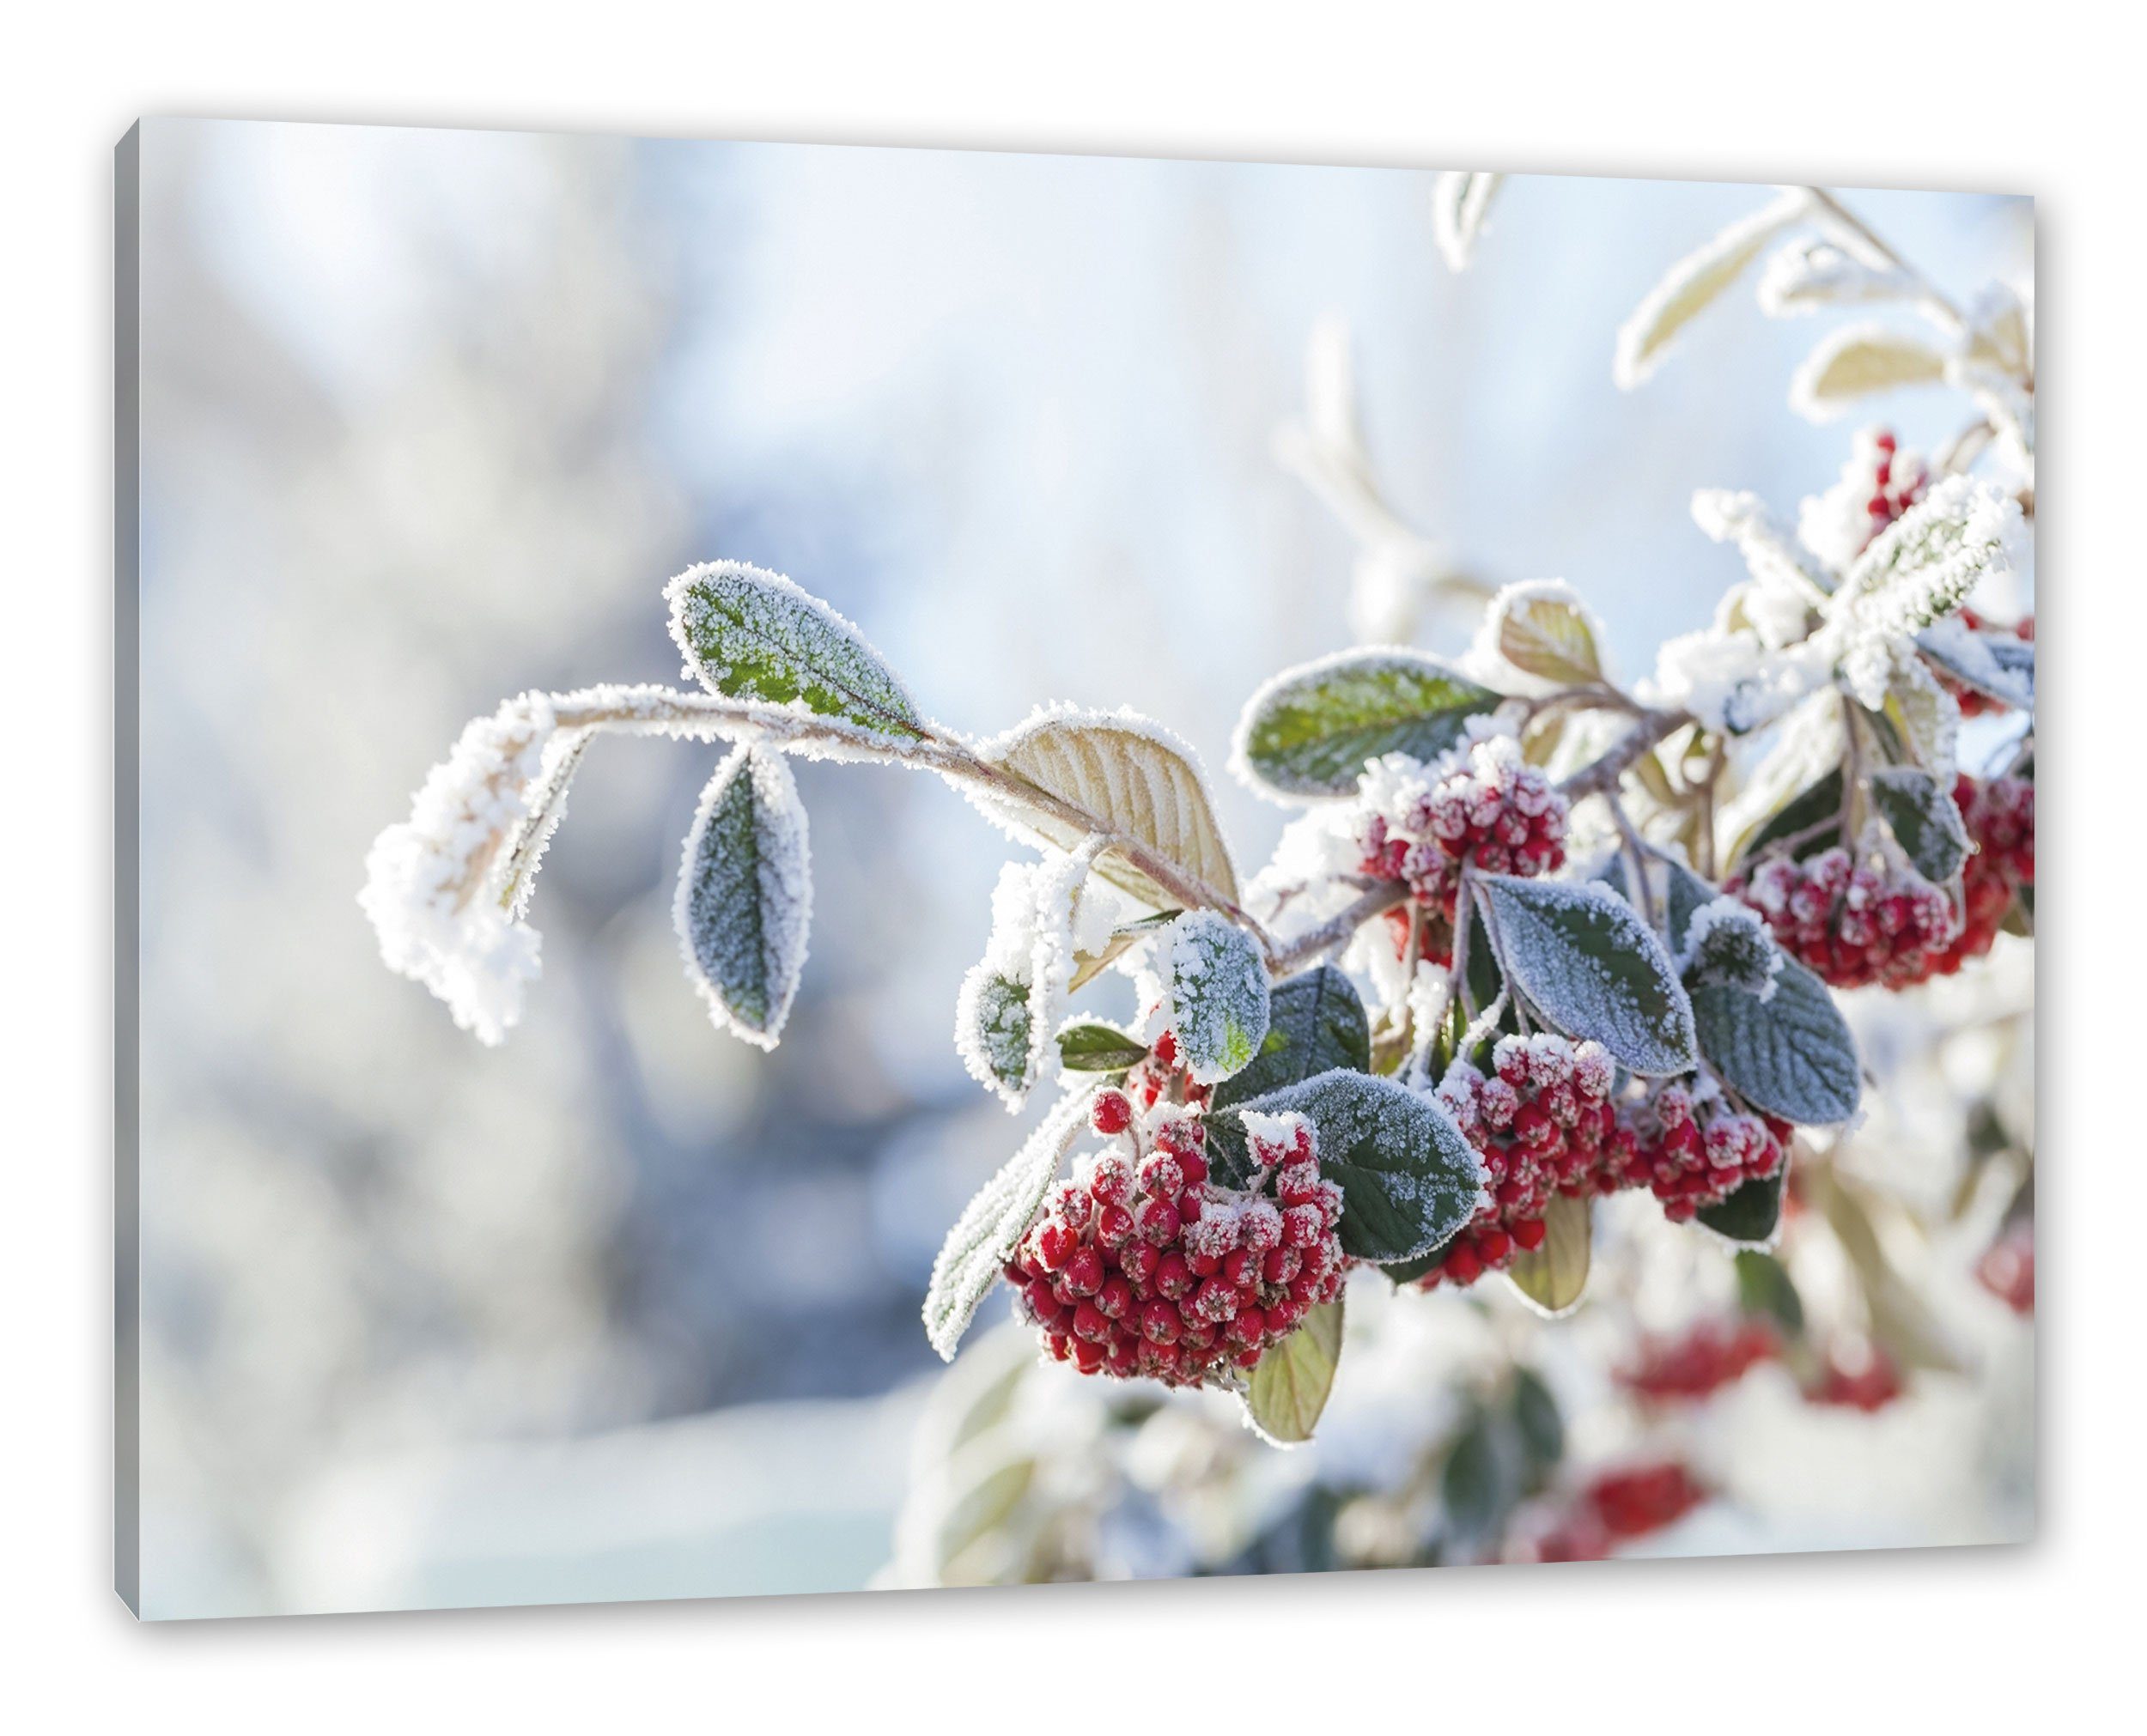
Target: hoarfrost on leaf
<point>1215,994</point>
<point>744,908</point>
<point>992,1224</point>
<point>1694,284</point>
<point>1310,730</point>
<point>437,886</point>
<point>1007,1012</point>
<point>1857,362</point>
<point>753,635</point>
<point>1808,274</point>
<point>1791,583</point>
<point>1536,637</point>
<point>1727,942</point>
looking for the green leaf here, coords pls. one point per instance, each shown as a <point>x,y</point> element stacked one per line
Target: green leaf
<point>992,1224</point>
<point>1090,1047</point>
<point>743,906</point>
<point>1921,814</point>
<point>1552,1277</point>
<point>1315,1023</point>
<point>1289,1387</point>
<point>1764,1288</point>
<point>755,635</point>
<point>1791,1055</point>
<point>1477,1485</point>
<point>1309,731</point>
<point>1408,1177</point>
<point>1822,801</point>
<point>1751,1213</point>
<point>1587,963</point>
<point>1216,1000</point>
<point>1545,634</point>
<point>1536,1419</point>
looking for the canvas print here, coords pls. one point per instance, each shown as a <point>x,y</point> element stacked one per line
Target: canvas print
<point>863,869</point>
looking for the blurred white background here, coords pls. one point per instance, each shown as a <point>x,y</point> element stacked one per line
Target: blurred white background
<point>624,1309</point>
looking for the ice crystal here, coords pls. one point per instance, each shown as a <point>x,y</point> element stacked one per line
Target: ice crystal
<point>436,886</point>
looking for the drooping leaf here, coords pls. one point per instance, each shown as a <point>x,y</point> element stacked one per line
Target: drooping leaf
<point>1764,1288</point>
<point>1854,363</point>
<point>1552,1277</point>
<point>1088,966</point>
<point>1925,823</point>
<point>1216,999</point>
<point>1316,1022</point>
<point>1309,731</point>
<point>1924,716</point>
<point>1751,1213</point>
<point>1408,1179</point>
<point>1091,1047</point>
<point>1690,287</point>
<point>1822,801</point>
<point>546,805</point>
<point>994,1031</point>
<point>1586,959</point>
<point>992,1224</point>
<point>754,634</point>
<point>1542,630</point>
<point>1289,1387</point>
<point>744,908</point>
<point>1134,776</point>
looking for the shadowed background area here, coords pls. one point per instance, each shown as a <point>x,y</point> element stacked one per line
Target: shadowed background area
<point>624,1308</point>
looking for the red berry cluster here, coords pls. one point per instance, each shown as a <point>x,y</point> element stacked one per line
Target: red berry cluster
<point>1491,808</point>
<point>2000,818</point>
<point>1973,703</point>
<point>1615,1506</point>
<point>1144,1265</point>
<point>1160,1078</point>
<point>1693,1151</point>
<point>1701,1360</point>
<point>1894,487</point>
<point>1540,1122</point>
<point>1853,922</point>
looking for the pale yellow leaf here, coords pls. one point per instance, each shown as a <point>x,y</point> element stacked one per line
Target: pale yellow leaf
<point>1855,363</point>
<point>1554,1275</point>
<point>1693,285</point>
<point>1289,1388</point>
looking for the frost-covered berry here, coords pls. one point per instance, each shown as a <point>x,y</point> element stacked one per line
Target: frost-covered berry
<point>1483,805</point>
<point>1143,1265</point>
<point>1691,1151</point>
<point>2000,818</point>
<point>1111,1112</point>
<point>1539,1119</point>
<point>1854,920</point>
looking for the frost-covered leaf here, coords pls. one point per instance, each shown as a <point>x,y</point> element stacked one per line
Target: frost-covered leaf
<point>1091,1047</point>
<point>753,635</point>
<point>547,805</point>
<point>1408,1179</point>
<point>744,909</point>
<point>1790,1054</point>
<point>1753,1212</point>
<point>1215,994</point>
<point>1553,1275</point>
<point>1790,578</point>
<point>1856,361</point>
<point>1726,945</point>
<point>2003,669</point>
<point>1134,776</point>
<point>1310,730</point>
<point>1088,966</point>
<point>1925,715</point>
<point>1926,564</point>
<point>1542,629</point>
<point>1586,959</point>
<point>1804,813</point>
<point>1925,823</point>
<point>1693,285</point>
<point>992,1224</point>
<point>1810,275</point>
<point>1315,1023</point>
<point>1289,1388</point>
<point>1010,1002</point>
<point>1460,200</point>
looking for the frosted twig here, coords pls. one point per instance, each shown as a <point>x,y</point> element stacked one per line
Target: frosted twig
<point>1336,930</point>
<point>1602,773</point>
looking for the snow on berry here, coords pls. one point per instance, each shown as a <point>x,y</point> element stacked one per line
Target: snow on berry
<point>1690,1147</point>
<point>1857,920</point>
<point>1143,1265</point>
<point>1540,1122</point>
<point>1482,806</point>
